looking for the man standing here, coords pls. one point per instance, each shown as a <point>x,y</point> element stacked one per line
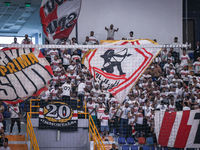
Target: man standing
<point>177,49</point>
<point>67,90</point>
<point>111,32</point>
<point>93,39</point>
<point>15,41</point>
<point>81,92</point>
<point>26,40</point>
<point>131,36</point>
<point>15,117</point>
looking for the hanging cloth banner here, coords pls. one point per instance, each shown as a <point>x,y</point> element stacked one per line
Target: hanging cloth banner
<point>61,115</point>
<point>118,69</point>
<point>24,72</point>
<point>178,129</point>
<point>59,17</point>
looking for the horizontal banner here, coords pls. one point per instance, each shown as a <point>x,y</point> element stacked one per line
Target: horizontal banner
<point>61,115</point>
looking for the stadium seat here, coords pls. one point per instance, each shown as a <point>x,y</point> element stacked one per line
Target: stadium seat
<point>130,140</point>
<point>121,140</point>
<point>125,147</point>
<point>134,147</point>
<point>152,148</point>
<point>115,132</point>
<point>191,55</point>
<point>145,147</point>
<point>175,148</point>
<point>149,141</point>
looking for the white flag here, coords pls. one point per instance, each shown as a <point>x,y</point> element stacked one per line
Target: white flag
<point>23,72</point>
<point>118,69</point>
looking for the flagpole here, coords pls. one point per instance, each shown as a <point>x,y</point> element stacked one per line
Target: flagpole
<point>77,31</point>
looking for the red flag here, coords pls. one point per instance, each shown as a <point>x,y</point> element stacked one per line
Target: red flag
<point>59,17</point>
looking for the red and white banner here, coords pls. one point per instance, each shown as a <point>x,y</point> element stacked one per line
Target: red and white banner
<point>118,69</point>
<point>24,72</point>
<point>59,17</point>
<point>178,129</point>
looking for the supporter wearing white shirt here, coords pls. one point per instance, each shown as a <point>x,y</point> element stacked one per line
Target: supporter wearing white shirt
<point>66,60</point>
<point>185,106</point>
<point>104,123</point>
<point>172,107</point>
<point>112,110</point>
<point>184,73</point>
<point>91,109</point>
<point>162,107</point>
<point>111,32</point>
<point>15,117</point>
<point>123,118</point>
<point>176,42</point>
<point>96,90</point>
<point>131,36</point>
<point>66,90</point>
<point>184,58</point>
<point>147,108</point>
<point>81,92</point>
<point>93,39</point>
<point>53,53</point>
<point>15,41</point>
<point>196,65</point>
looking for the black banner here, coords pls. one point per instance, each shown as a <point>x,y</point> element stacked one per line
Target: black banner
<point>61,115</point>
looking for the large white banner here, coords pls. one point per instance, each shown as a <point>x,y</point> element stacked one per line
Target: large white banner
<point>178,129</point>
<point>23,72</point>
<point>118,69</point>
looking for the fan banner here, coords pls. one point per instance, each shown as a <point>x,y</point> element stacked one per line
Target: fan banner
<point>61,115</point>
<point>24,72</point>
<point>118,69</point>
<point>59,17</point>
<point>178,129</point>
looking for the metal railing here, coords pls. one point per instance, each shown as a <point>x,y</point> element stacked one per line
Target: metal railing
<point>93,132</point>
<point>31,133</point>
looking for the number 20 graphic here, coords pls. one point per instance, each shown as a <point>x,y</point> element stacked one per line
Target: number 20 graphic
<point>62,111</point>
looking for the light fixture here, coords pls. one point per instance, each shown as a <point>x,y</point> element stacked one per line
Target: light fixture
<point>28,4</point>
<point>7,3</point>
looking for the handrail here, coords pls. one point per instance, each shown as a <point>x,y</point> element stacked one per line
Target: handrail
<point>31,133</point>
<point>96,137</point>
<point>92,127</point>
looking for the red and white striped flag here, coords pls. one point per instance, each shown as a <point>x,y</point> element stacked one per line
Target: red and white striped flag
<point>178,129</point>
<point>118,69</point>
<point>59,17</point>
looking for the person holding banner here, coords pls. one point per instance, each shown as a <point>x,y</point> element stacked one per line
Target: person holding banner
<point>15,117</point>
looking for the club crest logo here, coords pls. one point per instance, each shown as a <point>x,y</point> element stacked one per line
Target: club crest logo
<point>117,69</point>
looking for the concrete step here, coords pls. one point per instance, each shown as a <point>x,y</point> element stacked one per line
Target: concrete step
<point>16,137</point>
<point>108,146</point>
<point>110,138</point>
<point>18,146</point>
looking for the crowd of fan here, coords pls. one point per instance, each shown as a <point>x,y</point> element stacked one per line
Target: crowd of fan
<point>171,83</point>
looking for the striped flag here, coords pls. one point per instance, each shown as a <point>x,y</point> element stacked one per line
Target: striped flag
<point>59,17</point>
<point>118,69</point>
<point>178,129</point>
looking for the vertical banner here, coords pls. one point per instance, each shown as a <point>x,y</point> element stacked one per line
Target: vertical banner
<point>61,115</point>
<point>59,17</point>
